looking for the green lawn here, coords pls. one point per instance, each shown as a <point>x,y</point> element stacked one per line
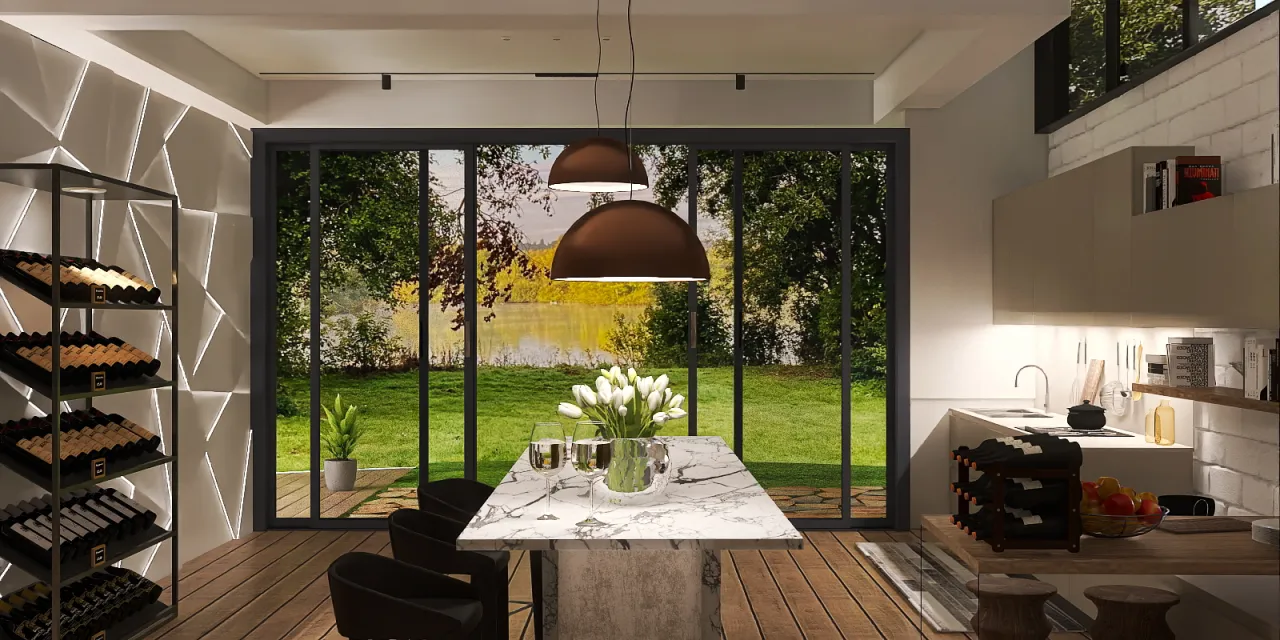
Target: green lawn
<point>791,420</point>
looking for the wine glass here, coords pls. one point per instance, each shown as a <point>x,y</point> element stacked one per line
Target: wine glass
<point>546,456</point>
<point>592,450</point>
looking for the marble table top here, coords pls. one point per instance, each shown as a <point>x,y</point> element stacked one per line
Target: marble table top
<point>711,502</point>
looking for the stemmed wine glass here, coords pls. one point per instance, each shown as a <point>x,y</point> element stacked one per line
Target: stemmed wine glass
<point>546,456</point>
<point>592,450</point>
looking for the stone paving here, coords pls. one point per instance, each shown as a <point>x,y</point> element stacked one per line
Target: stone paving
<point>796,502</point>
<point>816,502</point>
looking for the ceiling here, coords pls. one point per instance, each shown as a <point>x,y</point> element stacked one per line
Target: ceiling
<point>739,45</point>
<point>230,57</point>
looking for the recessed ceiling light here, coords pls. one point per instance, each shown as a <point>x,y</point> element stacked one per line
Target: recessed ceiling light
<point>506,38</point>
<point>92,190</point>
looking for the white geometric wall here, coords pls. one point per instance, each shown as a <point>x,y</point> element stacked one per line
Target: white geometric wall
<point>57,107</point>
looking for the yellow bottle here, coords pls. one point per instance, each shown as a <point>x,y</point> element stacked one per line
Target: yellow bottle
<point>1151,426</point>
<point>1164,423</point>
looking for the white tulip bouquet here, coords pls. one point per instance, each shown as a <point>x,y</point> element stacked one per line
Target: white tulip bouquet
<point>630,406</point>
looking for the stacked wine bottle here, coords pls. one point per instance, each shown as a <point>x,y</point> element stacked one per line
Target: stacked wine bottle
<point>89,519</point>
<point>88,438</point>
<point>82,357</point>
<point>81,279</point>
<point>1027,495</point>
<point>92,604</point>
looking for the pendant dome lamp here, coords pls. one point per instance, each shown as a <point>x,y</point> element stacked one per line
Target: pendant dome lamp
<point>626,240</point>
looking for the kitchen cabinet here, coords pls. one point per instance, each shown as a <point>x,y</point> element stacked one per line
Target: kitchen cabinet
<point>1076,250</point>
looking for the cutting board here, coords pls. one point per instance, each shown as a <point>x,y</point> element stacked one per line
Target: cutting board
<point>1206,524</point>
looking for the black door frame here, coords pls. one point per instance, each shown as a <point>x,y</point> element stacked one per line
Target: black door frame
<point>895,143</point>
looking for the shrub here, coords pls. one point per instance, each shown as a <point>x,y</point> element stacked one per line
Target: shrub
<point>628,340</point>
<point>362,344</point>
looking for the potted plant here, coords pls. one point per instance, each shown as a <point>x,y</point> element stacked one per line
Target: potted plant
<point>340,434</point>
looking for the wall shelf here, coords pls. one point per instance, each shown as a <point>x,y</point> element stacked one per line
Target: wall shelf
<point>1225,396</point>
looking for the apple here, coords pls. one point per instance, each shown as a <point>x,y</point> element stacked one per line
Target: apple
<point>1118,504</point>
<point>1089,490</point>
<point>1151,512</point>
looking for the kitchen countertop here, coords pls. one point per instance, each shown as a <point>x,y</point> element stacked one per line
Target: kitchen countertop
<point>1138,441</point>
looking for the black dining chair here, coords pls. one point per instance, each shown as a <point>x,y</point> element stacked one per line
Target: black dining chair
<point>456,498</point>
<point>378,598</point>
<point>429,540</point>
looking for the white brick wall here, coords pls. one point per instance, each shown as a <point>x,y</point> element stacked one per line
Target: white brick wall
<point>1223,101</point>
<point>1237,452</point>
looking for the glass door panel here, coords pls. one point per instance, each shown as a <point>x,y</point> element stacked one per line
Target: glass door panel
<point>446,315</point>
<point>791,337</point>
<point>292,309</point>
<point>369,332</point>
<point>714,399</point>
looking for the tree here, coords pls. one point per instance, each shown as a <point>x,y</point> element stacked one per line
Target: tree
<point>791,245</point>
<point>1150,32</point>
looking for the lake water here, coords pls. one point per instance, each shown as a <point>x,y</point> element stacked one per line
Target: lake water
<point>539,334</point>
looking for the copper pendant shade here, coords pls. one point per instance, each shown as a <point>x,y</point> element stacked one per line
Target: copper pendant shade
<point>630,241</point>
<point>598,165</point>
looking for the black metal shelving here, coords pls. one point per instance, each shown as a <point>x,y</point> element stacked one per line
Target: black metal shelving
<point>60,182</point>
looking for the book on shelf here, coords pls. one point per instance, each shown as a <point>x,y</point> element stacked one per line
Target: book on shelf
<point>1182,180</point>
<point>1190,362</point>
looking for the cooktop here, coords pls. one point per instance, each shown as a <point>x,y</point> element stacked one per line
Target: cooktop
<point>1068,432</point>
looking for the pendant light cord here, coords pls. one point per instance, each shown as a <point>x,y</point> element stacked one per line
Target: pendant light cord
<point>595,84</point>
<point>626,117</point>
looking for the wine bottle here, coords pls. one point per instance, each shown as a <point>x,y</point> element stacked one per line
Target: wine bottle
<point>965,489</point>
<point>1051,452</point>
<point>1024,526</point>
<point>149,515</point>
<point>1024,493</point>
<point>984,447</point>
<point>997,447</point>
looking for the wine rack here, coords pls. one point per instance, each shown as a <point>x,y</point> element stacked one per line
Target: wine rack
<point>113,598</point>
<point>83,281</point>
<point>999,540</point>
<point>68,539</point>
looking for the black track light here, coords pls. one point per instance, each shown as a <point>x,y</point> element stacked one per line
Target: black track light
<point>386,82</point>
<point>740,81</point>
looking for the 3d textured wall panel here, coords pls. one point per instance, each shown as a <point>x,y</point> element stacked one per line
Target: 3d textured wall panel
<point>55,107</point>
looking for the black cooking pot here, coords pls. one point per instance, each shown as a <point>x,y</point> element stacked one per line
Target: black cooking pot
<point>1086,417</point>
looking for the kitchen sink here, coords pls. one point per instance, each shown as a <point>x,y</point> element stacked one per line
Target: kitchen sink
<point>1009,413</point>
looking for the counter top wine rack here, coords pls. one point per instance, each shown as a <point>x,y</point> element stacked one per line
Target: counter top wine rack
<point>1001,472</point>
<point>67,539</point>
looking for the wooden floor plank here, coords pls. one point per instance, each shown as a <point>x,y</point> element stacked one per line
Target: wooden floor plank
<point>271,543</point>
<point>763,595</point>
<point>242,620</point>
<point>735,612</point>
<point>289,614</point>
<point>808,611</point>
<point>890,619</point>
<point>216,601</point>
<point>195,564</point>
<point>848,615</point>
<point>520,587</point>
<point>850,540</point>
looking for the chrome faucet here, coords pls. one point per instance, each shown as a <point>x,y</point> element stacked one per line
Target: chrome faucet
<point>1046,382</point>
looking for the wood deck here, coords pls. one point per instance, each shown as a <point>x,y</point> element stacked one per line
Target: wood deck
<point>272,585</point>
<point>293,492</point>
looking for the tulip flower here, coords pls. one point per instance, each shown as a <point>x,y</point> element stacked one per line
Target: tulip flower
<point>676,414</point>
<point>604,373</point>
<point>655,401</point>
<point>662,382</point>
<point>666,395</point>
<point>570,411</point>
<point>631,375</point>
<point>628,395</point>
<point>644,386</point>
<point>616,398</point>
<point>617,372</point>
<point>588,396</point>
<point>602,385</point>
<point>659,418</point>
<point>676,400</point>
<point>622,411</point>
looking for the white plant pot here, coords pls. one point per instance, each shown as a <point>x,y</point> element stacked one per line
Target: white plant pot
<point>340,475</point>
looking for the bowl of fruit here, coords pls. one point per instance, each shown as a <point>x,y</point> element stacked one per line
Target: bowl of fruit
<point>1108,510</point>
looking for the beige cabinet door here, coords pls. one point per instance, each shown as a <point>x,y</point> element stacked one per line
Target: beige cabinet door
<point>1063,267</point>
<point>1013,252</point>
<point>1254,288</point>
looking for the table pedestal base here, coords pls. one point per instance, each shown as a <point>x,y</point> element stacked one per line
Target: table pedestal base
<point>642,594</point>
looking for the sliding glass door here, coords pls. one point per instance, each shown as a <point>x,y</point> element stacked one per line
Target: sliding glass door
<point>377,383</point>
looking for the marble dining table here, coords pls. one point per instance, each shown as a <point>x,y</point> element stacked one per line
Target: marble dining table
<point>652,570</point>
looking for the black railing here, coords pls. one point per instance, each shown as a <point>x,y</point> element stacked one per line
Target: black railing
<point>1108,47</point>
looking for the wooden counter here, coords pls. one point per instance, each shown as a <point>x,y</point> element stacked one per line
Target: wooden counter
<point>1156,553</point>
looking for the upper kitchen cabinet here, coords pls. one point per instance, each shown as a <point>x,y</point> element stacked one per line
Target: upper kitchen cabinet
<point>1076,249</point>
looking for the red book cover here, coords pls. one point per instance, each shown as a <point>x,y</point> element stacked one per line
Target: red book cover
<point>1198,178</point>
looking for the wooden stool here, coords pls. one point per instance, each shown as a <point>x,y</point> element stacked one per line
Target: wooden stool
<point>1131,612</point>
<point>1011,608</point>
